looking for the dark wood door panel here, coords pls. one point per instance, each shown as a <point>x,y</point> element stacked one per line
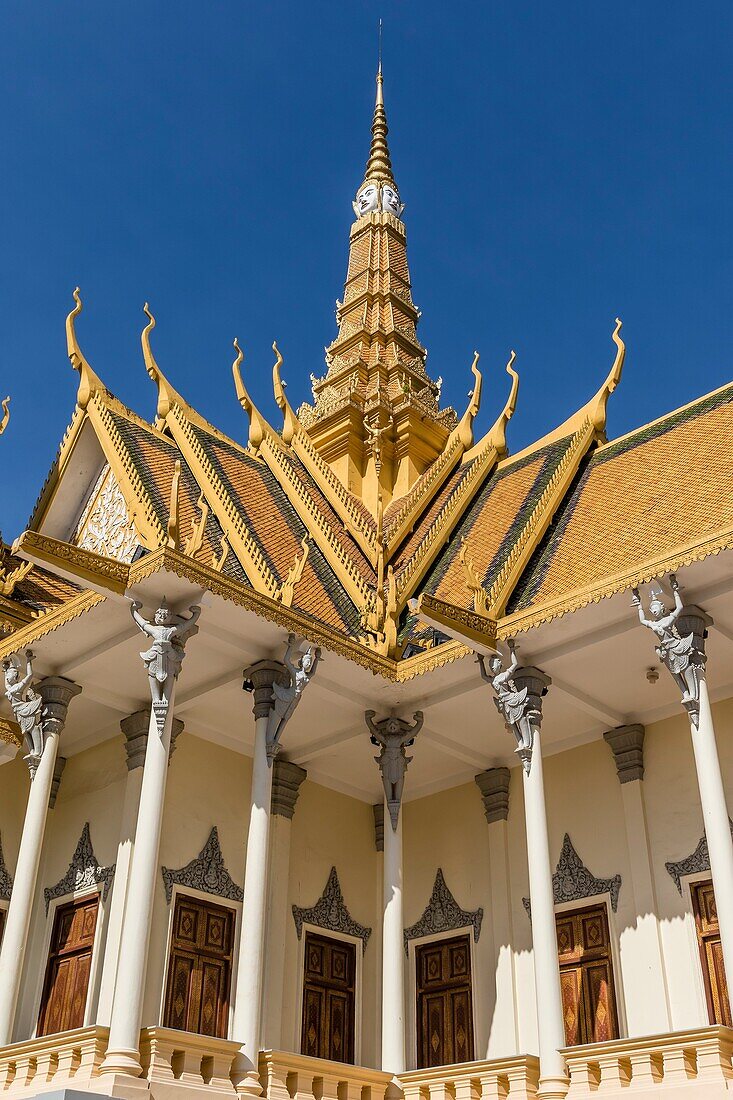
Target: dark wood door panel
<point>444,1003</point>
<point>200,967</point>
<point>66,985</point>
<point>711,953</point>
<point>586,976</point>
<point>329,998</point>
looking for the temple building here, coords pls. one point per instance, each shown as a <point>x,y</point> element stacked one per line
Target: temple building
<point>359,757</point>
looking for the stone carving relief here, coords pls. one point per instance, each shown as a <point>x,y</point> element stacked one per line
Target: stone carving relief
<point>330,913</point>
<point>392,736</point>
<point>697,861</point>
<point>168,635</point>
<point>572,880</point>
<point>518,696</point>
<point>443,914</point>
<point>6,879</point>
<point>207,873</point>
<point>84,872</point>
<point>680,634</point>
<point>104,527</point>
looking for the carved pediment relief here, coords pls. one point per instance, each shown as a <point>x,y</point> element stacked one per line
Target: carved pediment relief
<point>84,872</point>
<point>572,881</point>
<point>207,873</point>
<point>443,914</point>
<point>331,913</point>
<point>104,526</point>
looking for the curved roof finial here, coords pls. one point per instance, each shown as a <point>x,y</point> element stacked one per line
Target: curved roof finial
<point>598,415</point>
<point>465,428</point>
<point>497,435</point>
<point>290,420</point>
<point>258,426</point>
<point>6,414</point>
<point>167,396</point>
<point>89,382</point>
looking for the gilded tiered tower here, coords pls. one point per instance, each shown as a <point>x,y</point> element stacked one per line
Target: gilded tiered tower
<point>376,416</point>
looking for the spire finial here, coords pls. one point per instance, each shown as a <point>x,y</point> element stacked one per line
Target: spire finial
<point>378,190</point>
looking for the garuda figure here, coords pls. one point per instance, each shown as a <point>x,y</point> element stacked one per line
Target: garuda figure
<point>287,697</point>
<point>27,705</point>
<point>164,658</point>
<point>392,736</point>
<point>678,653</point>
<point>515,706</point>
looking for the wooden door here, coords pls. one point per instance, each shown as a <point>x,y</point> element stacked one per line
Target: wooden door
<point>444,1003</point>
<point>200,967</point>
<point>711,953</point>
<point>66,985</point>
<point>329,999</point>
<point>586,976</point>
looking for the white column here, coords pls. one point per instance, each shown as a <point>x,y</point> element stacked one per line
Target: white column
<point>393,951</point>
<point>716,821</point>
<point>553,1074</point>
<point>393,736</point>
<point>248,997</point>
<point>688,671</point>
<point>287,778</point>
<point>503,1037</point>
<point>123,1049</point>
<point>641,955</point>
<point>57,693</point>
<point>135,730</point>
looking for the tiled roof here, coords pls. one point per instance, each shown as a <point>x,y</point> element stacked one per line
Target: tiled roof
<point>278,531</point>
<point>638,499</point>
<point>490,525</point>
<point>38,591</point>
<point>155,458</point>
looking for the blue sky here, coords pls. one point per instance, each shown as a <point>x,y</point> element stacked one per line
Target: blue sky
<point>561,164</point>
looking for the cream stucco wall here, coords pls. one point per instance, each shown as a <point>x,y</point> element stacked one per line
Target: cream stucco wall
<point>209,785</point>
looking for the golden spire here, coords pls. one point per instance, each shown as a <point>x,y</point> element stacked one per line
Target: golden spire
<point>379,164</point>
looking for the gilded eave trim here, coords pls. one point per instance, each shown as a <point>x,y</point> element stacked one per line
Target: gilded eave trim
<point>83,566</point>
<point>52,620</point>
<point>522,621</point>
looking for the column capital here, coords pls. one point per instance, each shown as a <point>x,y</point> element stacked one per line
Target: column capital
<point>286,780</point>
<point>392,736</point>
<point>627,745</point>
<point>494,786</point>
<point>259,678</point>
<point>135,728</point>
<point>57,693</point>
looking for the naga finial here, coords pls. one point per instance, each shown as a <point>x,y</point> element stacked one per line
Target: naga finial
<point>598,415</point>
<point>167,396</point>
<point>6,414</point>
<point>257,424</point>
<point>89,383</point>
<point>465,428</point>
<point>497,435</point>
<point>290,420</point>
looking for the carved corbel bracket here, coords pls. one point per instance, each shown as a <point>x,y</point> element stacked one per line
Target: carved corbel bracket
<point>392,736</point>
